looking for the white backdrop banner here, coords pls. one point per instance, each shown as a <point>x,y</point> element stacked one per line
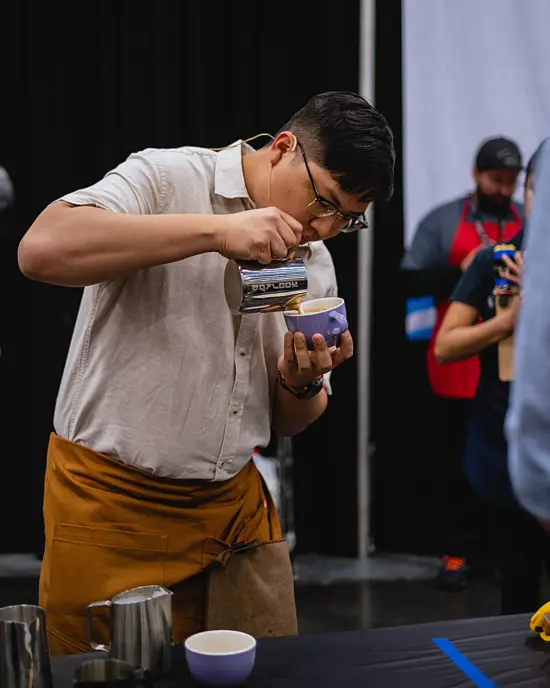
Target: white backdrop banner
<point>472,69</point>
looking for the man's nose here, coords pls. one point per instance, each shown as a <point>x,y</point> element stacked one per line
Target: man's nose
<point>323,226</point>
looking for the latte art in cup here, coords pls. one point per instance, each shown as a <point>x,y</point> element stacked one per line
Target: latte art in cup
<point>307,309</point>
<point>312,309</point>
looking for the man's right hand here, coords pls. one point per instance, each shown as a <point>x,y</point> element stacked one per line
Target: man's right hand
<point>263,235</point>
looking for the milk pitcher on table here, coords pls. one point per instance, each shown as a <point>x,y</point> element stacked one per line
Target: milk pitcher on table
<point>24,656</point>
<point>140,628</point>
<point>252,287</point>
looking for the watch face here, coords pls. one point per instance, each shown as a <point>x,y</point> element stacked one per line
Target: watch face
<point>314,389</point>
<point>305,392</point>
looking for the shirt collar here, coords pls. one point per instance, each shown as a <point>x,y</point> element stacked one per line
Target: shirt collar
<point>229,178</point>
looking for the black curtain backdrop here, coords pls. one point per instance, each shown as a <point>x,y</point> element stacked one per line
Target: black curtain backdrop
<point>410,426</point>
<point>84,85</point>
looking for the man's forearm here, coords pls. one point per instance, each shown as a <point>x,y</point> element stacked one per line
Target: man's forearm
<point>464,342</point>
<point>78,246</point>
<point>291,415</point>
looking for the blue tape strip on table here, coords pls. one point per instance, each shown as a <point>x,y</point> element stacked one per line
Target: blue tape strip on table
<point>464,664</point>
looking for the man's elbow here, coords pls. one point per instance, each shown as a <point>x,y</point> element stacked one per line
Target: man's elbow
<point>41,255</point>
<point>35,256</point>
<point>41,258</point>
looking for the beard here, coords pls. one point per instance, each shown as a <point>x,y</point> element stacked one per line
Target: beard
<point>496,204</point>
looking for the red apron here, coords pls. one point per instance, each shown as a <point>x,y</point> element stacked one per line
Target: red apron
<point>459,380</point>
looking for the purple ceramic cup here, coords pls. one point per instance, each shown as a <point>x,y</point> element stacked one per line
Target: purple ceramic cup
<point>220,658</point>
<point>331,322</point>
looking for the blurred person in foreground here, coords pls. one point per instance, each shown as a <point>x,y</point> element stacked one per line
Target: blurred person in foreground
<point>519,545</point>
<point>166,394</point>
<point>7,198</point>
<point>444,245</point>
<point>528,422</point>
<point>6,192</point>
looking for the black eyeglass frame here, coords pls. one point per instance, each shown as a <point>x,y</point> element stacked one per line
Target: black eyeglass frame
<point>354,224</point>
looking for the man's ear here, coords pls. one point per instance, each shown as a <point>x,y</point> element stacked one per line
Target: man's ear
<point>283,143</point>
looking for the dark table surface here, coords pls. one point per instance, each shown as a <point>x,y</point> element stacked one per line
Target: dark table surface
<point>503,649</point>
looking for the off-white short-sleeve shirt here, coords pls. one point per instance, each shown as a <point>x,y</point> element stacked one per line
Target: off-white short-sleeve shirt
<point>160,375</point>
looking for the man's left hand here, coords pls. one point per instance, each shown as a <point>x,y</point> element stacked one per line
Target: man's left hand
<point>300,367</point>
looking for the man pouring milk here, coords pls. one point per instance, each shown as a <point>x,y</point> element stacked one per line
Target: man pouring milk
<point>166,393</point>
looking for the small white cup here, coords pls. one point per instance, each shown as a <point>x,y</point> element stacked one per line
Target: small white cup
<point>220,658</point>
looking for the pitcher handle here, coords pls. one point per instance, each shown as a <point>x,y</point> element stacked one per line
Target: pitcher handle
<point>89,624</point>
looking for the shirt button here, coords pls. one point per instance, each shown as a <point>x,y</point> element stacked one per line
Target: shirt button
<point>242,352</point>
<point>235,411</point>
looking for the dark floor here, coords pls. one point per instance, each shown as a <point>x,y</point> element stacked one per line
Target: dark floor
<point>351,606</point>
<point>348,606</point>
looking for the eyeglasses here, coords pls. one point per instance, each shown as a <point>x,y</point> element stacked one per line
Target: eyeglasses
<point>321,207</point>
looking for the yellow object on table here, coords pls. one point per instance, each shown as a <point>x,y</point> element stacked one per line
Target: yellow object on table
<point>540,622</point>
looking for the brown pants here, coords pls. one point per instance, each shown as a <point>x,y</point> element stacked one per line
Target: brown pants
<point>111,527</point>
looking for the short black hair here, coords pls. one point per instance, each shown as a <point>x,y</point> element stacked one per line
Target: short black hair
<point>533,162</point>
<point>344,134</point>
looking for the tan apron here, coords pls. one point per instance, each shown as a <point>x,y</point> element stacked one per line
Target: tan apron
<point>254,580</point>
<point>111,527</point>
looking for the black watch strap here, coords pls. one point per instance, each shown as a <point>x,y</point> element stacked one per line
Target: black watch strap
<point>306,392</point>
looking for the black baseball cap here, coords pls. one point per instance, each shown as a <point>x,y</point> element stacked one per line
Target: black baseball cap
<point>499,154</point>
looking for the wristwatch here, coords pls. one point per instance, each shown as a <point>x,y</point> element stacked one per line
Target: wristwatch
<point>306,391</point>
